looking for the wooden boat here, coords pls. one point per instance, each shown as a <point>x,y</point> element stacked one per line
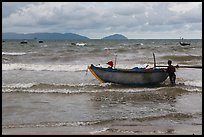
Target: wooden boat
<point>79,44</point>
<point>24,42</point>
<point>184,43</point>
<point>40,41</point>
<point>137,76</point>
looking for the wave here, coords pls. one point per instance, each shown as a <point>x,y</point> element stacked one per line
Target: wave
<point>53,88</point>
<point>50,124</point>
<point>57,67</point>
<point>13,53</point>
<point>182,57</point>
<point>195,83</point>
<point>97,88</point>
<point>99,131</point>
<point>50,86</point>
<point>106,48</point>
<point>43,67</point>
<point>174,116</point>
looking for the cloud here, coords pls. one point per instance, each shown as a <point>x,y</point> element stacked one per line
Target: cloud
<point>94,19</point>
<point>11,7</point>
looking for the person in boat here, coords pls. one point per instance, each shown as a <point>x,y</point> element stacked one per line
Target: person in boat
<point>171,71</point>
<point>110,63</point>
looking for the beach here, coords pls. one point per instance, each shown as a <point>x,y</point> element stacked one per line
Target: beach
<point>47,89</point>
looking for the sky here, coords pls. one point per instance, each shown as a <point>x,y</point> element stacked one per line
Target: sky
<point>135,20</point>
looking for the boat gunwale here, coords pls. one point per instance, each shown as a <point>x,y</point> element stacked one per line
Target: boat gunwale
<point>151,70</point>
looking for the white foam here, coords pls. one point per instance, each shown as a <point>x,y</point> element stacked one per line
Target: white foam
<point>62,91</point>
<point>135,90</point>
<point>81,44</point>
<point>57,67</point>
<point>43,67</point>
<point>51,124</point>
<point>13,53</point>
<point>99,131</point>
<point>18,85</point>
<point>110,48</point>
<point>196,83</point>
<point>29,85</point>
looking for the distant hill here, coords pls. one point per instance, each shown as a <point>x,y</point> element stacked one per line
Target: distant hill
<point>56,36</point>
<point>115,37</point>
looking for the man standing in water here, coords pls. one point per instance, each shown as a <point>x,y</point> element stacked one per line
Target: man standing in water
<point>170,70</point>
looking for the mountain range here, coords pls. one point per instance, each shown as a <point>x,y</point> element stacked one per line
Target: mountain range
<point>56,36</point>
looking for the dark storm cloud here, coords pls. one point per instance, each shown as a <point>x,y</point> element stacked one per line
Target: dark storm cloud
<point>97,19</point>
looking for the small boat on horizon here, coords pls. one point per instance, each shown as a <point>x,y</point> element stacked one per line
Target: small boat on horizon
<point>182,43</point>
<point>24,42</point>
<point>79,44</point>
<point>139,44</point>
<point>40,41</point>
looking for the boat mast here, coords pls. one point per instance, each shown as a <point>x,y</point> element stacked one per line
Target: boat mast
<point>115,61</point>
<point>154,61</point>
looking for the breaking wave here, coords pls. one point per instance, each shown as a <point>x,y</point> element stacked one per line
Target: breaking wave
<point>43,67</point>
<point>93,88</point>
<point>13,53</point>
<point>174,116</point>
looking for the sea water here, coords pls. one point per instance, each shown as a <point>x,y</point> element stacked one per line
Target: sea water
<point>47,88</point>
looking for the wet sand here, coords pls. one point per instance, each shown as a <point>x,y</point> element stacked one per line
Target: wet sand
<point>143,128</point>
<point>38,114</point>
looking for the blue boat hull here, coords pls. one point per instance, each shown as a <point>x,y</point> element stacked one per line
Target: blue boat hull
<point>129,76</point>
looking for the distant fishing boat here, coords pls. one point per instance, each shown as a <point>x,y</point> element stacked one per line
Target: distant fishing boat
<point>184,43</point>
<point>139,44</point>
<point>40,41</point>
<point>24,42</point>
<point>79,44</point>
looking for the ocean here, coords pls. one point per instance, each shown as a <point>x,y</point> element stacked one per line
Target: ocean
<point>47,88</point>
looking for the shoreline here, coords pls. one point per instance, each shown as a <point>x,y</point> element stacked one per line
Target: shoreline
<point>148,130</point>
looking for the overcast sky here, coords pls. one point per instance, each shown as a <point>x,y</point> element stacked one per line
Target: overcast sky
<point>135,20</point>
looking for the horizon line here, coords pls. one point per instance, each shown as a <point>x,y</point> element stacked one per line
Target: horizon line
<point>95,38</point>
